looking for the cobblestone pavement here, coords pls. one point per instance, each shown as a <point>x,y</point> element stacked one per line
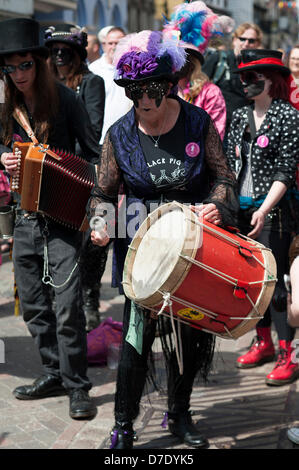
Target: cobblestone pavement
<point>235,410</point>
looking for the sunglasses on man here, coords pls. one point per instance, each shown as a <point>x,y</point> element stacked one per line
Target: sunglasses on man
<point>8,69</point>
<point>250,40</point>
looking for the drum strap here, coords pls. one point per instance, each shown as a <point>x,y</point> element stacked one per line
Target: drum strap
<point>177,336</point>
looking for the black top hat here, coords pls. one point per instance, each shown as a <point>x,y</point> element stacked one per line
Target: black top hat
<point>20,35</point>
<point>70,34</point>
<point>261,59</point>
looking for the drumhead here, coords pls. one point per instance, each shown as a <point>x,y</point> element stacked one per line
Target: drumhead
<point>157,259</point>
<point>158,254</point>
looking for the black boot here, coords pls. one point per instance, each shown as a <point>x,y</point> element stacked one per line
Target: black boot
<point>181,425</point>
<point>81,405</point>
<point>91,301</point>
<point>122,436</point>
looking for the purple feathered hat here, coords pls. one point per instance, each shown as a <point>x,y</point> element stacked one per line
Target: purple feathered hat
<point>146,56</point>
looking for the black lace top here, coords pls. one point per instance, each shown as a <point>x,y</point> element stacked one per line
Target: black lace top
<point>207,176</point>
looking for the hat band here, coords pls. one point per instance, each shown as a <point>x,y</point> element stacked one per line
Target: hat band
<point>266,61</point>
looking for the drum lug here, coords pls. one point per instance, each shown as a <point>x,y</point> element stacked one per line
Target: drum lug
<point>240,290</point>
<point>246,252</point>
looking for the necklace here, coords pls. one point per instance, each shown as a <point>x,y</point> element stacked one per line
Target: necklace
<point>156,141</point>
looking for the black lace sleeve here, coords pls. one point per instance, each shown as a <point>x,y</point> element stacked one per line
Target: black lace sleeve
<point>224,190</point>
<point>108,179</point>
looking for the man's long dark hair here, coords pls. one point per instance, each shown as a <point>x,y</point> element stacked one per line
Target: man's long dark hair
<point>46,102</point>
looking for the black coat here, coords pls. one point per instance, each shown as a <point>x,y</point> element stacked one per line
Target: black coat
<point>230,85</point>
<point>92,92</point>
<point>278,160</point>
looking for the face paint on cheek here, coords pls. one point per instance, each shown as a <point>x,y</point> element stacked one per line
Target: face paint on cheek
<point>61,57</point>
<point>254,89</point>
<point>159,101</point>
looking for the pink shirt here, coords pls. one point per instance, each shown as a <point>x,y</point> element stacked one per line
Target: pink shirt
<point>211,100</point>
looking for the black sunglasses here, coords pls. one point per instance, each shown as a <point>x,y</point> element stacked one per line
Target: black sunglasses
<point>153,90</point>
<point>7,69</point>
<point>250,40</point>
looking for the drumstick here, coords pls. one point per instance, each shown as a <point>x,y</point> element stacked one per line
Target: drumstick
<point>98,224</point>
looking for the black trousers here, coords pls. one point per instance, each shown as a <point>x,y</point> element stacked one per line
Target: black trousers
<point>60,336</point>
<point>133,368</point>
<point>279,242</point>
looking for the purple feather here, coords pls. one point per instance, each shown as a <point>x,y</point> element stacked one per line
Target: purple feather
<point>165,420</point>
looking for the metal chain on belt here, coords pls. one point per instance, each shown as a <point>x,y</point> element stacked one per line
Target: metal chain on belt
<point>47,278</point>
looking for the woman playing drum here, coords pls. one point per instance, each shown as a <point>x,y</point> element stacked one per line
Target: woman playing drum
<point>164,149</point>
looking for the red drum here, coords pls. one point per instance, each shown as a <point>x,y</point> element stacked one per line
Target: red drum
<point>191,270</point>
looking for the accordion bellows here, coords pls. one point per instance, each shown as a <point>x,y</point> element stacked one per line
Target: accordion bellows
<point>58,186</point>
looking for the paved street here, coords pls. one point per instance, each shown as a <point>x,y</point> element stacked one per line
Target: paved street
<point>235,410</point>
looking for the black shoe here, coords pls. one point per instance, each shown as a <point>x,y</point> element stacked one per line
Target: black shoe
<point>122,439</point>
<point>43,387</point>
<point>181,425</point>
<point>81,406</point>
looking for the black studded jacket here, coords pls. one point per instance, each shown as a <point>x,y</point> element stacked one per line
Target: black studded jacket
<point>275,159</point>
<point>274,156</point>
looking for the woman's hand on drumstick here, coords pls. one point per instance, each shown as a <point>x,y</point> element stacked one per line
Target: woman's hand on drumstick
<point>10,161</point>
<point>208,212</point>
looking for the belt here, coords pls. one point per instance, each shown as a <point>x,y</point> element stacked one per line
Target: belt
<point>28,214</point>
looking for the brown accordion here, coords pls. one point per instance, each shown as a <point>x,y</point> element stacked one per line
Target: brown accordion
<point>54,183</point>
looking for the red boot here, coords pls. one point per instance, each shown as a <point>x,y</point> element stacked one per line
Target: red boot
<point>261,351</point>
<point>285,371</point>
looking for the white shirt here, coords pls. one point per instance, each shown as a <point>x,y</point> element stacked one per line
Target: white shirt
<point>116,102</point>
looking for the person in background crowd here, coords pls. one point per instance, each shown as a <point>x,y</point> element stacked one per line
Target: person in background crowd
<point>219,67</point>
<point>68,51</point>
<point>117,104</point>
<point>195,86</point>
<point>57,117</point>
<point>293,307</point>
<point>293,63</point>
<point>293,298</point>
<point>67,44</point>
<point>263,148</point>
<point>160,124</point>
<point>93,48</point>
<point>102,35</point>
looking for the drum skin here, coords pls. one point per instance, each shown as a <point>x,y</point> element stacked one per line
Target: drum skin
<point>221,283</point>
